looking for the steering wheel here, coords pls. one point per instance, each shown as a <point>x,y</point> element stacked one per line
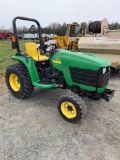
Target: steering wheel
<point>50,48</point>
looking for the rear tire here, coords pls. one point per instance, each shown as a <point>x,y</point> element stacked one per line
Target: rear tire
<point>18,81</point>
<point>71,107</point>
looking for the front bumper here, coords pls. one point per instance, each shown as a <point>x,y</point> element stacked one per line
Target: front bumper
<point>107,94</point>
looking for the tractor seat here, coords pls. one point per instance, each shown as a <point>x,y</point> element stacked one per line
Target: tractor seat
<point>32,49</point>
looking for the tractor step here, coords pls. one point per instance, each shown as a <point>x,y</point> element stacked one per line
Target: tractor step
<point>44,85</point>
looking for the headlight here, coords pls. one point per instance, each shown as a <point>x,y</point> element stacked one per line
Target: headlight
<point>104,70</point>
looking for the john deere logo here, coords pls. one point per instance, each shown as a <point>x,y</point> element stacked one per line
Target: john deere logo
<point>57,61</point>
<point>98,39</point>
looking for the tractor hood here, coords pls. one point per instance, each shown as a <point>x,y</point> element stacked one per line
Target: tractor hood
<point>79,59</point>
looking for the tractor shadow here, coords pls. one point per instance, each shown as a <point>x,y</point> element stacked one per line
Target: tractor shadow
<point>47,96</point>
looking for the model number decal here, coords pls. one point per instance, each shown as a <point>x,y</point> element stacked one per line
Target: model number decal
<point>113,38</point>
<point>57,61</point>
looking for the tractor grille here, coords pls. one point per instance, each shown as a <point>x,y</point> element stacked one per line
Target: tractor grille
<point>90,77</point>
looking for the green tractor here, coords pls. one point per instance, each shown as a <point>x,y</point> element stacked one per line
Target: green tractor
<point>82,74</point>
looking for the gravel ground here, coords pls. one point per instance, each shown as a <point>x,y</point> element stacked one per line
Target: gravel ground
<point>32,129</point>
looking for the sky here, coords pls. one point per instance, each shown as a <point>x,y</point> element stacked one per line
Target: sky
<point>49,11</point>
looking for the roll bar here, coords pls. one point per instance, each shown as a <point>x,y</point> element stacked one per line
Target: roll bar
<point>15,30</point>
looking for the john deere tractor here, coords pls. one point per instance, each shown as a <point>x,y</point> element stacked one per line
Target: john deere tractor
<point>82,74</point>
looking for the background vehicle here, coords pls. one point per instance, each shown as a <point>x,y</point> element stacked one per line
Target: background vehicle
<point>96,38</point>
<point>82,74</point>
<point>69,41</point>
<point>20,36</point>
<point>4,35</point>
<point>102,42</point>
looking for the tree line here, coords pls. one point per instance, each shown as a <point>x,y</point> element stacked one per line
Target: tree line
<point>56,28</point>
<point>53,28</point>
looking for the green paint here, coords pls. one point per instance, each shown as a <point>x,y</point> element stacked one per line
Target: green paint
<point>79,60</point>
<point>82,60</point>
<point>29,64</point>
<point>100,90</point>
<point>45,86</point>
<point>61,61</point>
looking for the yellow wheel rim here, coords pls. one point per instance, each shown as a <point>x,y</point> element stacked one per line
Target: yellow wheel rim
<point>68,109</point>
<point>14,82</point>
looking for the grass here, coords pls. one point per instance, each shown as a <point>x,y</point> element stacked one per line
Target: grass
<point>5,55</point>
<point>6,52</point>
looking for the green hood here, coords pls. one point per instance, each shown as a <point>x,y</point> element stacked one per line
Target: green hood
<point>83,60</point>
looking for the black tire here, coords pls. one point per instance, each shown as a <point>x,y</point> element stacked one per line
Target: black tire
<point>74,104</point>
<point>23,88</point>
<point>95,27</point>
<point>98,26</point>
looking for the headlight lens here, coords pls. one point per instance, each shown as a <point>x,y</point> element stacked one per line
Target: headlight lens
<point>104,70</point>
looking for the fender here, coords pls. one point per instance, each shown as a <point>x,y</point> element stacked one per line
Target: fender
<point>29,64</point>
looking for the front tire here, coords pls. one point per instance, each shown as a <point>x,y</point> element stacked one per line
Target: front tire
<point>18,81</point>
<point>72,108</point>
